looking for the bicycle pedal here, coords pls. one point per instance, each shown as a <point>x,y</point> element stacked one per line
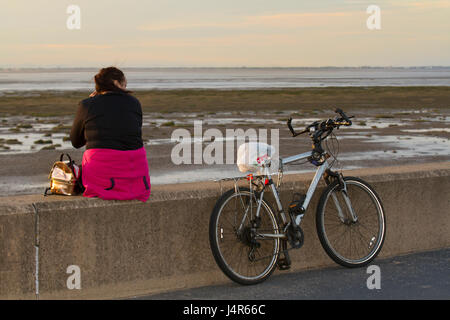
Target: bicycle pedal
<point>296,206</point>
<point>283,264</point>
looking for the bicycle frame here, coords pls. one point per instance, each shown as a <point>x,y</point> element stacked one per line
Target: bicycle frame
<point>312,188</point>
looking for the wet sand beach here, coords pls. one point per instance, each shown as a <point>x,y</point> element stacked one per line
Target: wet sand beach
<point>392,126</point>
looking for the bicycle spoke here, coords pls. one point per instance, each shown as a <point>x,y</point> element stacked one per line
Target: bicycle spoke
<point>349,242</point>
<point>239,258</point>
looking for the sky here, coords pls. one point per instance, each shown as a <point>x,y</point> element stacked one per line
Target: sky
<point>226,33</point>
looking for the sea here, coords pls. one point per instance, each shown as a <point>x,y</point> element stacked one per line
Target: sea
<point>42,79</point>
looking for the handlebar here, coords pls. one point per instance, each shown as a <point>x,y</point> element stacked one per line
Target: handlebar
<point>322,129</point>
<point>324,126</point>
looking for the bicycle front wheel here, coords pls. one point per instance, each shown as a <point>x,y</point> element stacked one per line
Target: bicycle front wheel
<point>348,241</point>
<point>237,238</point>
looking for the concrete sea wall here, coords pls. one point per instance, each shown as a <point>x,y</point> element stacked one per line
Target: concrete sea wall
<point>129,248</point>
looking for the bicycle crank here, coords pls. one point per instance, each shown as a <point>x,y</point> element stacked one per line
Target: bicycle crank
<point>295,237</point>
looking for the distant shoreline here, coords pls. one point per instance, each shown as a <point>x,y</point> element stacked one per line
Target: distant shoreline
<point>4,69</point>
<point>268,88</point>
<point>248,78</point>
<point>155,90</point>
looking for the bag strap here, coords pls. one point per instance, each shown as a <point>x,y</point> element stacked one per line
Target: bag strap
<point>79,181</point>
<point>62,155</point>
<point>45,192</point>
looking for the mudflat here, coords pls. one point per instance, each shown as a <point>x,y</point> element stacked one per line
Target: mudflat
<point>61,103</point>
<point>392,126</point>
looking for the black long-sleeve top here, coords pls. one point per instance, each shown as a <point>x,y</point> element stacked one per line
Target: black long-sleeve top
<point>112,120</point>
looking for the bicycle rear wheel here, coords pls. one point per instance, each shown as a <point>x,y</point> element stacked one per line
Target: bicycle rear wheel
<point>351,243</point>
<point>234,233</point>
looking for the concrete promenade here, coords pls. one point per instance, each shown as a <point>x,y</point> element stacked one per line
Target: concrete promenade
<point>130,248</point>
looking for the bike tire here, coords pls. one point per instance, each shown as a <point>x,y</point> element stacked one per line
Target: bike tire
<point>374,223</point>
<point>216,241</point>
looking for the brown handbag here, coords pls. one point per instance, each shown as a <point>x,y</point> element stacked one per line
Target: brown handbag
<point>65,178</point>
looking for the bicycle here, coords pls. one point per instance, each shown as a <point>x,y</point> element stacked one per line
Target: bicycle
<point>247,237</point>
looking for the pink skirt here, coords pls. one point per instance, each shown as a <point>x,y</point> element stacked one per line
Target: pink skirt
<point>115,174</point>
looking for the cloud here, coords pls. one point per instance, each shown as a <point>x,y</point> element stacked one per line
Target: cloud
<point>430,4</point>
<point>247,39</point>
<point>275,20</point>
<point>300,16</point>
<point>73,46</point>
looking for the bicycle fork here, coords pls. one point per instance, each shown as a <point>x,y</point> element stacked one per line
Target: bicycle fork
<point>343,189</point>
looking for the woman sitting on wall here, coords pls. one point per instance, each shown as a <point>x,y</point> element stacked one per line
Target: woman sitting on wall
<point>109,123</point>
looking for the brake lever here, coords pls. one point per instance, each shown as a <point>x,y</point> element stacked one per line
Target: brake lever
<point>289,124</point>
<point>342,114</point>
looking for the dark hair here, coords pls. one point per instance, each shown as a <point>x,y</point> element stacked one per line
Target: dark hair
<point>104,80</point>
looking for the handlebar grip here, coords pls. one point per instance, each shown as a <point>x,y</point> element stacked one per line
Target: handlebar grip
<point>289,124</point>
<point>343,115</point>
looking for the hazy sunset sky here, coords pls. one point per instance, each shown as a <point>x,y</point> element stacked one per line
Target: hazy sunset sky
<point>227,33</point>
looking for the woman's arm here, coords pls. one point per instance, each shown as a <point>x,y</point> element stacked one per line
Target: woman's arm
<point>140,113</point>
<point>77,131</point>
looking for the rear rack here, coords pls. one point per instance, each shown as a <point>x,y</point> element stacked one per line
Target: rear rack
<point>238,178</point>
<point>250,178</point>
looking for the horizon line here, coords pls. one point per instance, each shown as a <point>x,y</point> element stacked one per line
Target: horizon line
<point>228,67</point>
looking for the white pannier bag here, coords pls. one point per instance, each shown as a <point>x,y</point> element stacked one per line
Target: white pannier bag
<point>252,156</point>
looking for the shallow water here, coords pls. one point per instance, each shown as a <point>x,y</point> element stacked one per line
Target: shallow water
<point>364,126</point>
<point>426,130</point>
<point>404,140</point>
<point>225,78</point>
